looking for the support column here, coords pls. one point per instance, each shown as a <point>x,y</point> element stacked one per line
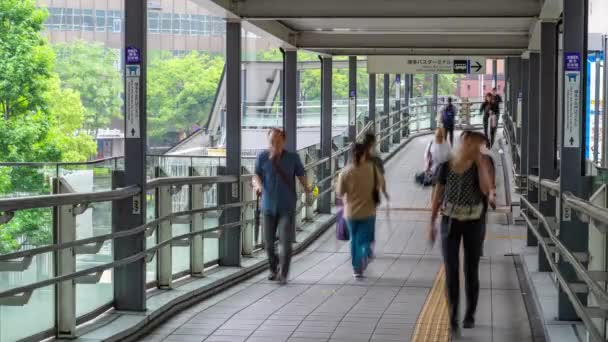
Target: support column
<point>547,139</point>
<point>507,90</point>
<point>573,232</point>
<point>326,131</point>
<point>406,103</point>
<point>230,240</point>
<point>605,103</point>
<point>396,117</point>
<point>371,106</point>
<point>596,109</point>
<point>130,280</point>
<point>523,126</point>
<point>434,102</point>
<point>385,114</point>
<point>352,98</point>
<point>531,132</point>
<point>290,94</point>
<point>494,73</point>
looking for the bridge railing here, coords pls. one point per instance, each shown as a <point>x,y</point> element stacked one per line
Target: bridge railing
<point>588,294</point>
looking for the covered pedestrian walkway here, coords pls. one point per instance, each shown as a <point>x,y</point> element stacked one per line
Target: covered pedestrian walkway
<point>400,299</point>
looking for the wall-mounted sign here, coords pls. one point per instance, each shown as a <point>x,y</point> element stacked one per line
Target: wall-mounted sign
<point>572,100</point>
<point>426,65</point>
<point>132,98</point>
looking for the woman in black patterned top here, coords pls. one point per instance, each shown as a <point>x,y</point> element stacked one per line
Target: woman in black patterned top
<point>463,184</point>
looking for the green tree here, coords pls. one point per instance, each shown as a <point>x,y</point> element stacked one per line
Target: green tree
<point>25,59</point>
<point>90,69</point>
<point>181,92</point>
<point>41,121</point>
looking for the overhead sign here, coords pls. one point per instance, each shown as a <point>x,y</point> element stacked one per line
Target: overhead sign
<point>572,100</point>
<point>132,97</point>
<point>426,65</point>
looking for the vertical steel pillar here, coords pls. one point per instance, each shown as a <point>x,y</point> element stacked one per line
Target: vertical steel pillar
<point>522,127</point>
<point>547,139</point>
<point>326,130</point>
<point>507,89</point>
<point>290,103</point>
<point>406,103</point>
<point>494,73</point>
<point>397,114</point>
<point>371,105</point>
<point>230,240</point>
<point>605,104</point>
<point>352,98</point>
<point>596,109</point>
<point>573,232</point>
<point>384,146</point>
<point>531,131</point>
<point>515,86</point>
<point>130,280</point>
<point>434,107</point>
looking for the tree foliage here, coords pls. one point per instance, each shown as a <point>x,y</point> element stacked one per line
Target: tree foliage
<point>181,92</point>
<point>25,59</point>
<point>90,69</point>
<point>41,121</point>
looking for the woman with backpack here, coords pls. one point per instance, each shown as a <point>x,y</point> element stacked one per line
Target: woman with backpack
<point>463,184</point>
<point>359,185</point>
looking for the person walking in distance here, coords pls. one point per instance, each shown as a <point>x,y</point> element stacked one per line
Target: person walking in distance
<point>463,185</point>
<point>359,184</point>
<point>448,117</point>
<point>275,173</point>
<point>489,110</point>
<point>497,100</point>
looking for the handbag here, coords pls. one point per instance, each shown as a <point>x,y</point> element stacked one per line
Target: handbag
<point>341,228</point>
<point>375,191</point>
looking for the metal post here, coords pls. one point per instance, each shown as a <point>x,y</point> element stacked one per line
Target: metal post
<point>371,106</point>
<point>406,104</point>
<point>197,247</point>
<point>352,98</point>
<point>130,280</point>
<point>230,239</point>
<point>523,169</point>
<point>384,146</point>
<point>396,117</point>
<point>507,89</point>
<point>596,121</point>
<point>547,139</point>
<point>65,263</point>
<point>326,130</point>
<point>531,132</point>
<point>290,103</point>
<point>494,73</point>
<point>573,232</point>
<point>605,104</point>
<point>164,204</point>
<point>434,107</point>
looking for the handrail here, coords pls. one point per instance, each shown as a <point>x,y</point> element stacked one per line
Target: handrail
<point>534,179</point>
<point>45,201</point>
<point>578,307</point>
<point>587,208</point>
<point>177,181</point>
<point>580,270</point>
<point>549,184</point>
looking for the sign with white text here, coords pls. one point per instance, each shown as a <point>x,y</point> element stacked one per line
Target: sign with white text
<point>572,100</point>
<point>426,65</point>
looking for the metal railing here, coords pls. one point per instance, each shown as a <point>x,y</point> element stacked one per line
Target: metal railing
<point>591,280</point>
<point>179,194</point>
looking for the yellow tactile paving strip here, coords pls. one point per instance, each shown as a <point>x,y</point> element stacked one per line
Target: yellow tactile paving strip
<point>433,324</point>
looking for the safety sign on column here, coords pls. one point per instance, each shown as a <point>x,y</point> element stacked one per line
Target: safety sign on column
<point>572,100</point>
<point>132,93</point>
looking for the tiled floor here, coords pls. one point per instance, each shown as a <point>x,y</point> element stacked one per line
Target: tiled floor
<point>322,301</point>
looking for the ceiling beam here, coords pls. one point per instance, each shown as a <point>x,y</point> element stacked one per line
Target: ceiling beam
<point>498,53</point>
<point>310,40</point>
<point>278,30</point>
<point>281,9</point>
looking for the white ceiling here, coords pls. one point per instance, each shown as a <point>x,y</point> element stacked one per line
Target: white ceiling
<point>365,27</point>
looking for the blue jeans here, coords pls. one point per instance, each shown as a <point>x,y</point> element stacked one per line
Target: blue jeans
<point>360,237</point>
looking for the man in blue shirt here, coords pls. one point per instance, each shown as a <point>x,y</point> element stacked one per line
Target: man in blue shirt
<point>275,172</point>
